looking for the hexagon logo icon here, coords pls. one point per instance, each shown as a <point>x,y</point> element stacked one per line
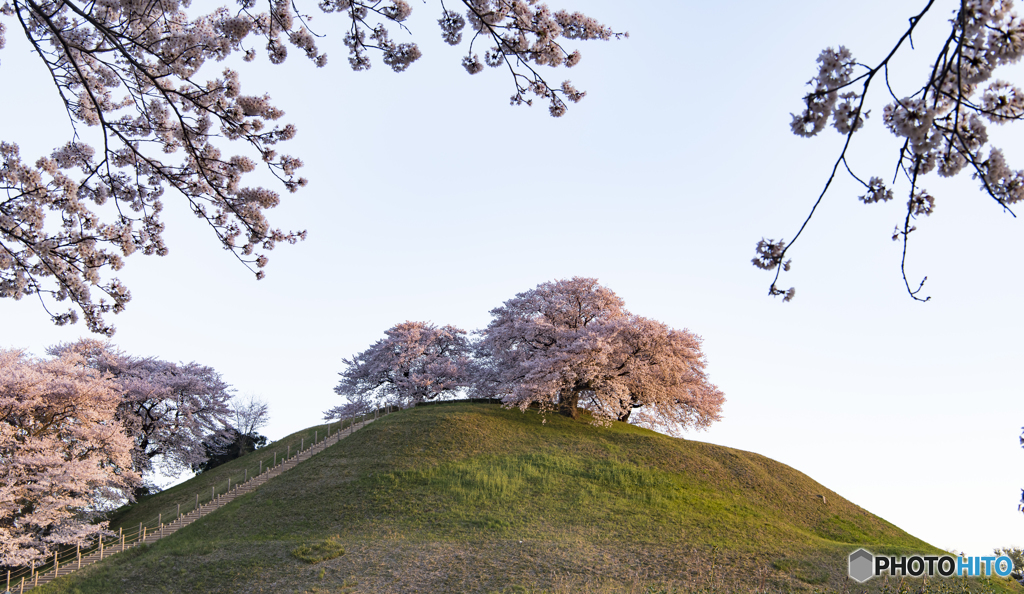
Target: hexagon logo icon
<point>861,566</point>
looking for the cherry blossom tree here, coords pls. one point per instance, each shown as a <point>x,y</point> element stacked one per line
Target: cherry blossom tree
<point>132,78</point>
<point>417,361</point>
<point>940,126</point>
<point>62,452</point>
<point>166,408</point>
<point>570,344</point>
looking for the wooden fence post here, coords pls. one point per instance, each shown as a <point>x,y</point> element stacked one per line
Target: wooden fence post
<point>140,529</point>
<point>56,564</point>
<point>179,512</point>
<point>213,492</point>
<point>261,466</point>
<point>101,548</point>
<point>197,503</point>
<point>79,555</point>
<point>120,536</point>
<point>8,580</point>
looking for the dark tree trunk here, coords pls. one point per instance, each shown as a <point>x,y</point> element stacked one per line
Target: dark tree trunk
<point>568,402</point>
<point>140,491</point>
<point>624,417</point>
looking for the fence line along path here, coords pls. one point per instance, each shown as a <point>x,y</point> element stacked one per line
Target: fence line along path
<point>75,560</point>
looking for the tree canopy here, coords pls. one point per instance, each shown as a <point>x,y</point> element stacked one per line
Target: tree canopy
<point>63,453</point>
<point>87,429</point>
<point>563,346</point>
<point>167,408</point>
<point>415,362</point>
<point>570,344</point>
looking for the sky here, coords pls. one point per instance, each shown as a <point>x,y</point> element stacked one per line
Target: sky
<point>430,198</point>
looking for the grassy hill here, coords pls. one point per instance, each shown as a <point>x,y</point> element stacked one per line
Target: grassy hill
<point>473,498</point>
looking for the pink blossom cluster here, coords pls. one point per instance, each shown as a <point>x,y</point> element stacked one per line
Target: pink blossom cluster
<point>524,32</point>
<point>565,345</point>
<point>167,408</point>
<point>86,430</point>
<point>129,70</point>
<point>63,453</point>
<point>570,344</point>
<point>415,362</point>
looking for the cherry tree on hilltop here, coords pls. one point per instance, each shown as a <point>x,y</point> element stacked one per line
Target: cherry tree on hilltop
<point>940,126</point>
<point>62,450</point>
<point>416,362</point>
<point>569,344</point>
<point>130,71</point>
<point>166,408</point>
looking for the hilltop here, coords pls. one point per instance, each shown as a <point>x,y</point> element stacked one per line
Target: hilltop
<point>467,497</point>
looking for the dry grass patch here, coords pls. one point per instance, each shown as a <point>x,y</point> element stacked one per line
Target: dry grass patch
<point>321,550</point>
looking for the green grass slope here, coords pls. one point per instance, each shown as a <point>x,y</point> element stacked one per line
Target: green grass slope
<point>475,498</point>
<point>166,504</point>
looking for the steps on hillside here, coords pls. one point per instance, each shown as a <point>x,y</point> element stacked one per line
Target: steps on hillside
<point>204,510</point>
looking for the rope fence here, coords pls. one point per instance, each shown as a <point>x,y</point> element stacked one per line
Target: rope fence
<point>69,559</point>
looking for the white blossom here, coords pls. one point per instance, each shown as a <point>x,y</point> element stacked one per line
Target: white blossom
<point>835,68</point>
<point>877,192</point>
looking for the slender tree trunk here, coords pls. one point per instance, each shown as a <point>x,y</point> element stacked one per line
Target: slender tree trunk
<point>624,417</point>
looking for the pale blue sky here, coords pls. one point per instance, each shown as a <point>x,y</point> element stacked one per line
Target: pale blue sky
<point>432,199</point>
